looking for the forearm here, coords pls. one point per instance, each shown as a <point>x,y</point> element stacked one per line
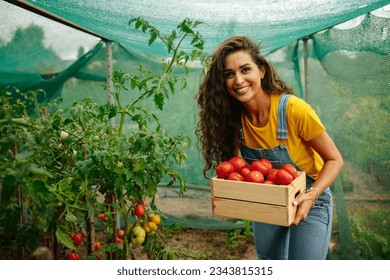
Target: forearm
<point>328,174</point>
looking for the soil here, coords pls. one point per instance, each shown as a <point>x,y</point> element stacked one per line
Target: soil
<point>203,236</point>
<point>213,245</point>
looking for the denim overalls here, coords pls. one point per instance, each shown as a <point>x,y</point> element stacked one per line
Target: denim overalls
<point>310,239</point>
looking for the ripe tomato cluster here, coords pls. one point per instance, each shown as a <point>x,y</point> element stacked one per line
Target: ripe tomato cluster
<point>259,171</point>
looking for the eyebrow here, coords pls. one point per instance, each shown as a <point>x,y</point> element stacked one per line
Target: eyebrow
<point>242,66</point>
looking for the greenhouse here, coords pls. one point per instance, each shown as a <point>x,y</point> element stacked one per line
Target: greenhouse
<point>99,112</point>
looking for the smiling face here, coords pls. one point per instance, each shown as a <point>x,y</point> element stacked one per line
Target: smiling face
<point>242,76</point>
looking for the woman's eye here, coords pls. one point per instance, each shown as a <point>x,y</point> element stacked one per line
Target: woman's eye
<point>245,70</point>
<point>228,75</point>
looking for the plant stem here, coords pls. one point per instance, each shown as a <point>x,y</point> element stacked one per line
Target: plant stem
<point>122,122</point>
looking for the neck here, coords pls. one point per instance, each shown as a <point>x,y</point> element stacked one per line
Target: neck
<point>258,109</point>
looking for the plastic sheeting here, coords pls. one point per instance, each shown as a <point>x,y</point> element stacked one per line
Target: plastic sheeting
<point>273,23</point>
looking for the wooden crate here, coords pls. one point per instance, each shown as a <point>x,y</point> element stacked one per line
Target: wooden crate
<point>271,204</point>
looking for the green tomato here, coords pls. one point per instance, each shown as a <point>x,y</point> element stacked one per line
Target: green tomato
<point>137,240</point>
<point>138,232</point>
<point>64,135</point>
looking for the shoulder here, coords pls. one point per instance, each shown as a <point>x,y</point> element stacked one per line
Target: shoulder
<point>298,106</point>
<point>304,118</point>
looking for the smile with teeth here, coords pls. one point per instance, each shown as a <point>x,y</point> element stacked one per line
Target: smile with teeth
<point>241,90</point>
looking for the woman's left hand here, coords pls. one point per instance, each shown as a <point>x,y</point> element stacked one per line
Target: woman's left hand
<point>304,202</point>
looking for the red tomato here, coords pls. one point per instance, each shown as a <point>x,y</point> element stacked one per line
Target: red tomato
<point>139,210</point>
<point>245,170</point>
<point>255,176</point>
<point>72,256</point>
<point>259,166</point>
<point>282,177</point>
<point>269,182</point>
<point>102,217</point>
<point>96,246</point>
<point>120,233</point>
<point>235,176</point>
<point>224,169</point>
<point>238,163</point>
<point>271,174</point>
<point>290,169</point>
<point>266,162</point>
<point>77,239</point>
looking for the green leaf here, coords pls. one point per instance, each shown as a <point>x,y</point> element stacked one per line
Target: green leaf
<point>24,155</point>
<point>139,165</point>
<point>39,171</point>
<point>63,237</point>
<point>171,86</point>
<point>8,189</point>
<point>138,23</point>
<point>70,217</point>
<point>159,100</point>
<point>139,180</point>
<point>153,36</point>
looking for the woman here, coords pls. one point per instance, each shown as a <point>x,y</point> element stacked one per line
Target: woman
<point>245,107</point>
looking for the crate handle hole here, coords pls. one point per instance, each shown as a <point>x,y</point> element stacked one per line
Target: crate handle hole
<point>297,193</point>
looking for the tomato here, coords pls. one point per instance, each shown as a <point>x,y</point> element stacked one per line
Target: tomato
<point>139,210</point>
<point>155,219</point>
<point>120,233</point>
<point>235,176</point>
<point>238,163</point>
<point>269,182</point>
<point>152,226</point>
<point>138,235</point>
<point>224,169</point>
<point>64,135</point>
<point>282,177</point>
<point>118,240</point>
<point>260,166</point>
<point>245,170</point>
<point>102,217</point>
<point>290,169</point>
<point>72,256</point>
<point>255,176</point>
<point>96,246</point>
<point>77,239</point>
<point>271,174</point>
<point>266,162</point>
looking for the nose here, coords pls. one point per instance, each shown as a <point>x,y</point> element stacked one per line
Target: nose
<point>239,79</point>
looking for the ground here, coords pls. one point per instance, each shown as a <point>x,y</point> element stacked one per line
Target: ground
<point>213,245</point>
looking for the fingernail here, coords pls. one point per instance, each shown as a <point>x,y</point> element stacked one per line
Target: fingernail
<point>295,203</point>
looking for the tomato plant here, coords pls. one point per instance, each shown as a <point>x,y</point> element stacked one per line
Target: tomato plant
<point>60,163</point>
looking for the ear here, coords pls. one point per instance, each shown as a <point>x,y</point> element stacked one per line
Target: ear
<point>262,72</point>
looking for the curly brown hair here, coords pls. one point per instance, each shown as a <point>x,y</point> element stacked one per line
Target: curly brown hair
<point>220,114</point>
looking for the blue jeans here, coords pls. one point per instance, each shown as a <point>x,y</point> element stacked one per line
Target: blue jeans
<point>309,240</point>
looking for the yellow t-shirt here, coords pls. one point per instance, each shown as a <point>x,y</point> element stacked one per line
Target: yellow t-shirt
<point>303,125</point>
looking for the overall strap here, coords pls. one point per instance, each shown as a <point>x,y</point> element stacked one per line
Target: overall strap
<point>282,117</point>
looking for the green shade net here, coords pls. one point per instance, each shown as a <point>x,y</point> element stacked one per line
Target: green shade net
<point>335,54</point>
